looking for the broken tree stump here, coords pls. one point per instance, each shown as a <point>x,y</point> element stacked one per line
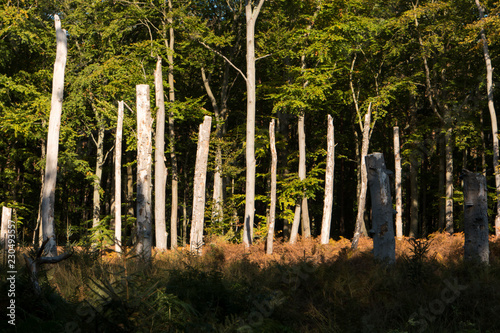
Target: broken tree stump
<point>34,264</point>
<point>476,245</point>
<point>384,244</point>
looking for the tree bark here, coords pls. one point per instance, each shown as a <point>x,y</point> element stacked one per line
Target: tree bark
<point>6,218</point>
<point>476,245</point>
<point>384,245</point>
<point>414,166</point>
<point>360,221</point>
<point>218,200</point>
<point>49,186</point>
<point>96,197</point>
<point>251,15</point>
<point>306,224</point>
<point>118,178</point>
<point>399,188</point>
<point>449,180</point>
<point>144,160</point>
<point>272,208</point>
<point>160,169</point>
<point>200,175</point>
<point>493,116</point>
<point>441,183</point>
<point>329,182</point>
<point>171,133</point>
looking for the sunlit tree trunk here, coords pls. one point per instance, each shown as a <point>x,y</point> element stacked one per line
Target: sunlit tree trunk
<point>96,210</point>
<point>160,169</point>
<point>360,221</point>
<point>217,205</point>
<point>329,182</point>
<point>144,161</point>
<point>171,132</point>
<point>49,186</point>
<point>399,188</point>
<point>272,208</point>
<point>306,224</point>
<point>449,180</point>
<point>200,175</point>
<point>493,116</point>
<point>118,177</point>
<point>251,15</point>
<point>4,231</point>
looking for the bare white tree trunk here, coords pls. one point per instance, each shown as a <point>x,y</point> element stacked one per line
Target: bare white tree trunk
<point>306,224</point>
<point>360,221</point>
<point>399,188</point>
<point>49,186</point>
<point>118,178</point>
<point>251,15</point>
<point>144,160</point>
<point>476,246</point>
<point>384,245</point>
<point>217,205</point>
<point>160,169</point>
<point>200,176</point>
<point>6,218</point>
<point>294,233</point>
<point>493,116</point>
<point>272,208</point>
<point>329,182</point>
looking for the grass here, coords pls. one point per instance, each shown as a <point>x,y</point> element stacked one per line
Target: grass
<point>307,287</point>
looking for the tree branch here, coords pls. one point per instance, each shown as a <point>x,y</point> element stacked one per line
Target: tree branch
<point>224,57</point>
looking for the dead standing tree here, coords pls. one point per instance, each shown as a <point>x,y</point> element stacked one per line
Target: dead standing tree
<point>384,244</point>
<point>49,185</point>
<point>200,176</point>
<point>144,160</point>
<point>476,245</point>
<point>272,208</point>
<point>330,165</point>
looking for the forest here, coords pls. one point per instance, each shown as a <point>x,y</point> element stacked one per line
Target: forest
<point>292,90</point>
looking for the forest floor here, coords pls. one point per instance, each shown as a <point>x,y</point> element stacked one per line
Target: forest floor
<point>305,287</point>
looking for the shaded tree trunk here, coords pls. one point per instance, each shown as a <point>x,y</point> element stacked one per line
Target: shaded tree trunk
<point>329,183</point>
<point>118,178</point>
<point>144,160</point>
<point>272,208</point>
<point>398,185</point>
<point>384,245</point>
<point>476,246</point>
<point>200,175</point>
<point>414,166</point>
<point>49,186</point>
<point>160,169</point>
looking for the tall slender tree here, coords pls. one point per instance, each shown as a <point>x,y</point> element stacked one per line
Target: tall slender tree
<point>49,186</point>
<point>493,116</point>
<point>251,14</point>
